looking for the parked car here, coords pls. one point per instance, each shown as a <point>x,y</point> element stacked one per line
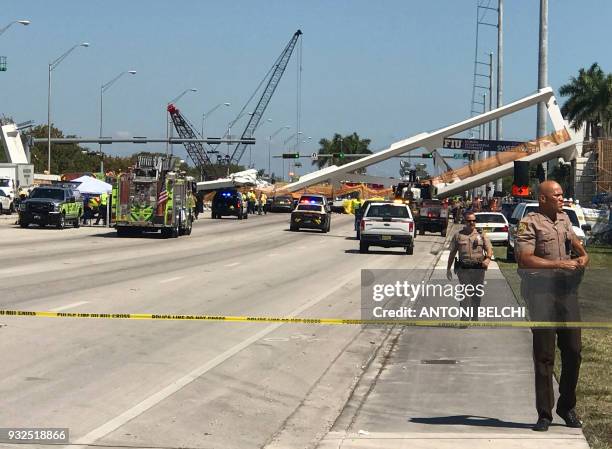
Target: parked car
<point>5,203</point>
<point>229,202</point>
<point>508,209</point>
<point>337,206</point>
<point>494,225</point>
<point>388,225</point>
<point>55,204</point>
<point>522,209</point>
<point>281,203</point>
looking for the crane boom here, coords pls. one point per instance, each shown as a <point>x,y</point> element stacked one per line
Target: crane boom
<point>195,150</point>
<point>279,68</point>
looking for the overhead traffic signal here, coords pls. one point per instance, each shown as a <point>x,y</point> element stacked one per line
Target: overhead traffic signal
<point>427,155</point>
<point>520,184</point>
<point>291,155</point>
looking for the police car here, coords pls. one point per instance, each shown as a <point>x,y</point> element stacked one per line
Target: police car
<point>494,225</point>
<point>312,212</point>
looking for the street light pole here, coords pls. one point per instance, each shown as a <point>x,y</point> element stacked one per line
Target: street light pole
<point>52,66</point>
<point>269,120</point>
<point>297,136</point>
<point>205,115</point>
<point>49,124</point>
<point>282,128</point>
<point>103,89</point>
<point>22,22</point>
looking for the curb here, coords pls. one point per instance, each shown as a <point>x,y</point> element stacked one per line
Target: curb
<point>13,217</point>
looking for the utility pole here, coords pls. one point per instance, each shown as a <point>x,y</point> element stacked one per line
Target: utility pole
<point>489,153</point>
<point>500,73</point>
<point>500,64</point>
<point>543,76</point>
<point>482,154</point>
<point>491,94</point>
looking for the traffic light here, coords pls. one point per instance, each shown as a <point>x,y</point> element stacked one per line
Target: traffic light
<point>427,155</point>
<point>341,155</point>
<point>291,155</point>
<point>520,185</point>
<point>469,156</point>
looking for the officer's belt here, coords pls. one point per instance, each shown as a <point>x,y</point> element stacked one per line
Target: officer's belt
<point>467,264</point>
<point>549,281</point>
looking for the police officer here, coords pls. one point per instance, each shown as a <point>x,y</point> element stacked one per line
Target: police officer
<point>475,252</point>
<point>549,281</point>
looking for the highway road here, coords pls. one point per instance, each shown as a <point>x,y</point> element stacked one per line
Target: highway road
<point>187,384</point>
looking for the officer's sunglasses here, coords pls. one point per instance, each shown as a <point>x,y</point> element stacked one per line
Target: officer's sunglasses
<point>470,221</point>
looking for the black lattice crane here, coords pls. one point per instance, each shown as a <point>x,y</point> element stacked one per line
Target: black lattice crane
<point>195,150</point>
<point>277,72</point>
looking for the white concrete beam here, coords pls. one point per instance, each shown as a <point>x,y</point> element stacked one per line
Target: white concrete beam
<point>567,150</point>
<point>430,140</point>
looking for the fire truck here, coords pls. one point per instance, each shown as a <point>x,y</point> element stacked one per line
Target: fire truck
<point>153,196</point>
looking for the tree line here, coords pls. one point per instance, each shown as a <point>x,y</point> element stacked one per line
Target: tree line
<point>589,102</point>
<point>77,158</point>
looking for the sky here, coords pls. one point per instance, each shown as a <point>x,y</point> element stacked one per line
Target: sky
<point>386,70</point>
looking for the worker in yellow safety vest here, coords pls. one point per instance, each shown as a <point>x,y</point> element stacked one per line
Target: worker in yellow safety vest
<point>251,200</point>
<point>191,204</point>
<point>102,208</point>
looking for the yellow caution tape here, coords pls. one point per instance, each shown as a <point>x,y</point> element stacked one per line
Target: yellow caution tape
<point>296,320</point>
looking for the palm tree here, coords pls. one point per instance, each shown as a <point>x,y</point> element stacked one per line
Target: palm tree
<point>351,144</point>
<point>590,101</point>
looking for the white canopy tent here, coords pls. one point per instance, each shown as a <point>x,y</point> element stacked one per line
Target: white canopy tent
<point>92,186</point>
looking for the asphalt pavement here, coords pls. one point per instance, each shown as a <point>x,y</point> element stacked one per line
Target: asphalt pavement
<point>184,384</point>
<point>193,384</point>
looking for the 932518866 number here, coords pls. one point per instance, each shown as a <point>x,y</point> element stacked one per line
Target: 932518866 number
<point>34,435</point>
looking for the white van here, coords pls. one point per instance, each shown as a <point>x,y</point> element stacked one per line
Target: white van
<point>524,208</point>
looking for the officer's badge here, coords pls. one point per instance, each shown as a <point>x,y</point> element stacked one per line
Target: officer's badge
<point>522,227</point>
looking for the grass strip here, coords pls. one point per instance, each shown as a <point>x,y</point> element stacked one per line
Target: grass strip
<point>594,390</point>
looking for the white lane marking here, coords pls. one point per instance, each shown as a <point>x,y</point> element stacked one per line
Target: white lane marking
<point>165,281</point>
<point>233,264</point>
<point>177,385</point>
<point>69,306</point>
<point>272,254</point>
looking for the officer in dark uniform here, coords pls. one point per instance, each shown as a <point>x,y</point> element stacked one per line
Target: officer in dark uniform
<point>475,252</point>
<point>549,283</point>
